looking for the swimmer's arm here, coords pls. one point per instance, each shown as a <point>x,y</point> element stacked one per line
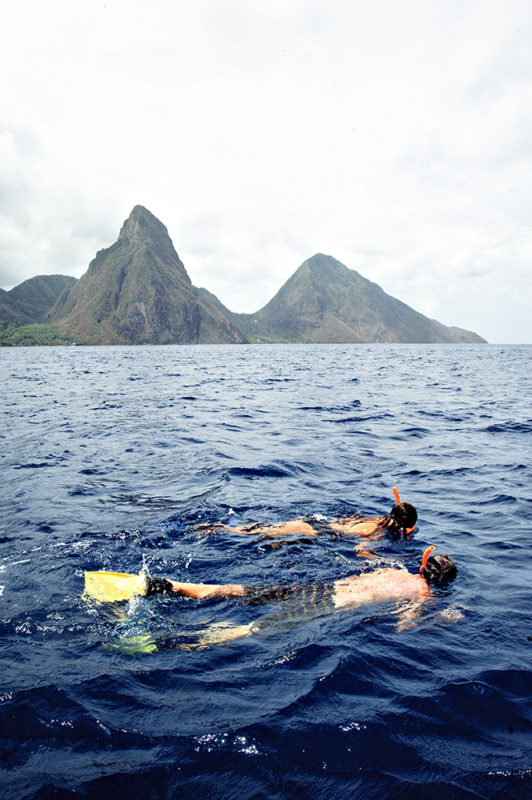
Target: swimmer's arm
<point>409,617</point>
<point>362,551</point>
<point>198,591</point>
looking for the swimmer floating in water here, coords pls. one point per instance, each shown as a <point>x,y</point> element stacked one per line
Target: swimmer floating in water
<point>401,519</point>
<point>380,585</point>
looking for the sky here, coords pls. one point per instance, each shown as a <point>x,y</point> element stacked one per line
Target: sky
<point>394,135</point>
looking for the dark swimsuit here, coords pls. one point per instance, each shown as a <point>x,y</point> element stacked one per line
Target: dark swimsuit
<point>321,526</point>
<point>299,603</point>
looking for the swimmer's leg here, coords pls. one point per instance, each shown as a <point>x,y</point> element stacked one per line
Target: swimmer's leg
<point>222,632</point>
<point>198,591</point>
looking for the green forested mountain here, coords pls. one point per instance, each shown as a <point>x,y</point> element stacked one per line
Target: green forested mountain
<point>31,300</point>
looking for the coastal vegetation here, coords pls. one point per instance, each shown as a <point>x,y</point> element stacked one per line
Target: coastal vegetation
<point>31,335</point>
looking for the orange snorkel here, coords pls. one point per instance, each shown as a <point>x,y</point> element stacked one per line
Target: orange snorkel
<point>398,501</point>
<point>425,558</point>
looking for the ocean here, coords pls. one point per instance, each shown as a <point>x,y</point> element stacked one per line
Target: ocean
<point>120,458</point>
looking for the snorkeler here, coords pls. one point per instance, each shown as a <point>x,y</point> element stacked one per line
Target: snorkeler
<point>401,520</point>
<point>380,585</point>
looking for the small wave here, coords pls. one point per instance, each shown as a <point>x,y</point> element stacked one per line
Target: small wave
<point>43,527</point>
<point>35,465</point>
<point>499,499</point>
<point>359,418</point>
<point>268,471</point>
<point>417,432</point>
<point>510,427</point>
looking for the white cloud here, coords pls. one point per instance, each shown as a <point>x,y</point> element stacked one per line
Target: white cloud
<point>393,136</point>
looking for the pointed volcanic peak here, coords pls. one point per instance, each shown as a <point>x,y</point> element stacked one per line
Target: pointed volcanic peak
<point>324,301</point>
<point>142,227</point>
<point>137,292</point>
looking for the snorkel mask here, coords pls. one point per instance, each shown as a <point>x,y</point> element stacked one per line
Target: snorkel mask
<point>405,508</point>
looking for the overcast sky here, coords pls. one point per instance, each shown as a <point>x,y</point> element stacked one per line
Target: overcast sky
<point>394,135</point>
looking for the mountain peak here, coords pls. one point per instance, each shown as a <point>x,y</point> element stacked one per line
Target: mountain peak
<point>325,301</point>
<point>323,263</point>
<point>141,225</point>
<point>320,258</point>
<point>138,291</point>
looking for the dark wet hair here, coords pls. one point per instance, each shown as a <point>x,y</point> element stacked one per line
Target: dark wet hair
<point>439,568</point>
<point>401,517</point>
<point>405,515</point>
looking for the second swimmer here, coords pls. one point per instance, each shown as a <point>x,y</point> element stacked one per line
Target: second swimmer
<point>401,520</point>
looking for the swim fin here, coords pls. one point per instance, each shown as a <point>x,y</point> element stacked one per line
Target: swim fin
<point>111,587</point>
<point>134,645</point>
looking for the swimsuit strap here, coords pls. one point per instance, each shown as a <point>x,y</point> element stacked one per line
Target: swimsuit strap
<point>320,526</point>
<point>253,526</point>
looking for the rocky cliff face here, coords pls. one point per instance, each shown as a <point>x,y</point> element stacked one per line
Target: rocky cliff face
<point>324,301</point>
<point>137,291</point>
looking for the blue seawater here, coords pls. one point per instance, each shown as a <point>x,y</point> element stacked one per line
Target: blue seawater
<point>111,459</point>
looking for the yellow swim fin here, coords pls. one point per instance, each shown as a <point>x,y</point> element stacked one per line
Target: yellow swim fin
<point>111,587</point>
<point>134,645</point>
